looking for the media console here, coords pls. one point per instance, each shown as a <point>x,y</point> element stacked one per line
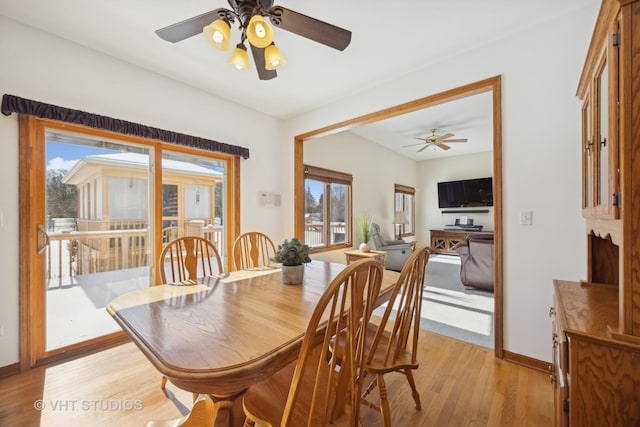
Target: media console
<point>444,241</point>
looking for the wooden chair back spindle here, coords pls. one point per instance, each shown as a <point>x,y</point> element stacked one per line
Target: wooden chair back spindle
<point>188,258</point>
<point>251,250</point>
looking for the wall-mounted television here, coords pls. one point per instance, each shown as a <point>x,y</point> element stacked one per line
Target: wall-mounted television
<point>465,193</point>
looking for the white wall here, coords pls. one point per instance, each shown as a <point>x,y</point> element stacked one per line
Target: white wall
<point>375,170</point>
<point>541,157</point>
<point>41,67</point>
<point>430,172</point>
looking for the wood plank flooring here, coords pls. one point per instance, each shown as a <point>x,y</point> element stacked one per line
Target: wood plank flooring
<point>460,385</point>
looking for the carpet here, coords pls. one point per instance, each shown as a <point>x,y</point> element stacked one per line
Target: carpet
<point>449,309</point>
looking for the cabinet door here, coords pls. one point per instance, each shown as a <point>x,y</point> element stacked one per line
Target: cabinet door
<point>605,134</point>
<point>587,158</point>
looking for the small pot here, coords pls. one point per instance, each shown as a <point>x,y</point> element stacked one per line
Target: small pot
<point>292,274</point>
<point>364,247</point>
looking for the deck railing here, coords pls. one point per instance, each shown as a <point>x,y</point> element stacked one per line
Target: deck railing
<point>314,234</point>
<point>84,252</point>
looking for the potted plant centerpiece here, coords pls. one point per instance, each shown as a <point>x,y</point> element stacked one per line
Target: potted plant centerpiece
<point>292,254</point>
<point>364,224</point>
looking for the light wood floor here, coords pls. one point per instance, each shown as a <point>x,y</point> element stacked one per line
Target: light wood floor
<point>460,385</point>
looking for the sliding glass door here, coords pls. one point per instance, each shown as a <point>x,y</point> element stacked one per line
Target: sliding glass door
<point>99,207</point>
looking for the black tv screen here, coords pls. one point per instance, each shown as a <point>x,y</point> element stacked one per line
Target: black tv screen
<point>465,193</point>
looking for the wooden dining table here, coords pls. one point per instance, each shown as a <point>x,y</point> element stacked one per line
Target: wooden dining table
<point>220,335</point>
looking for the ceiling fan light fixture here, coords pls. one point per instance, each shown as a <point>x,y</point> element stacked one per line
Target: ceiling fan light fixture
<point>273,58</point>
<point>240,57</point>
<point>218,33</point>
<point>259,32</point>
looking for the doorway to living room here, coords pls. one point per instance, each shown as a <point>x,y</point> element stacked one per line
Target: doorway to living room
<point>452,310</point>
<point>490,86</point>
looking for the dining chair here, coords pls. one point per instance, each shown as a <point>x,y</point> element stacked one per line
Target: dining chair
<point>251,250</point>
<point>395,343</point>
<point>187,259</point>
<point>305,392</point>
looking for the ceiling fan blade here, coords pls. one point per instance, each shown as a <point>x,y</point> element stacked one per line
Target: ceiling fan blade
<point>190,27</point>
<point>443,137</point>
<point>412,145</point>
<point>443,146</point>
<point>258,60</point>
<point>424,148</point>
<point>455,140</point>
<point>311,28</point>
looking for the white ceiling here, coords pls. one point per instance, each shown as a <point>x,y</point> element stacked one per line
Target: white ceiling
<point>389,38</point>
<point>469,117</point>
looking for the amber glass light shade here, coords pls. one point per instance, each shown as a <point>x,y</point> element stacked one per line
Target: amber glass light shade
<point>218,33</point>
<point>273,58</point>
<point>259,32</point>
<point>240,57</point>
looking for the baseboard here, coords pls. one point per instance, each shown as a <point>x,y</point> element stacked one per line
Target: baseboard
<point>527,362</point>
<point>7,371</point>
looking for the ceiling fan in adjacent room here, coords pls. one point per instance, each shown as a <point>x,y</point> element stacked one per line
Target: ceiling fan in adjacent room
<point>437,141</point>
<point>250,15</point>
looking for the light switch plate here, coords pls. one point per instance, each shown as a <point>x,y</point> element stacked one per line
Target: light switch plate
<point>526,217</point>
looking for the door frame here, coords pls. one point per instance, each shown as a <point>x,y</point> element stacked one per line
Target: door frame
<point>493,85</point>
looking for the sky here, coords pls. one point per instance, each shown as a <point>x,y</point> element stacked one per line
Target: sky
<point>63,156</point>
<point>315,186</point>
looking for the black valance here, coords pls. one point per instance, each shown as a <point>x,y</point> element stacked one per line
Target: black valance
<point>15,104</point>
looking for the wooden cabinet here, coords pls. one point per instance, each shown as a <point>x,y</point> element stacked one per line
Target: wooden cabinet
<point>601,375</point>
<point>596,337</point>
<point>444,241</point>
<point>599,92</point>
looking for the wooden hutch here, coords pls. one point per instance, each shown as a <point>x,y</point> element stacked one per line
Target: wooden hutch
<point>596,337</point>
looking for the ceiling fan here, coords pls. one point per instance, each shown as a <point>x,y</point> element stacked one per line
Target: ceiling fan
<point>250,17</point>
<point>437,141</point>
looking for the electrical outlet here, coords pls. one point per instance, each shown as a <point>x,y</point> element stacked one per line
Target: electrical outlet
<point>526,217</point>
<point>1,331</point>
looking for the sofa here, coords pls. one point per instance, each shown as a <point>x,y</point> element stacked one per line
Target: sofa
<point>476,261</point>
<point>398,251</point>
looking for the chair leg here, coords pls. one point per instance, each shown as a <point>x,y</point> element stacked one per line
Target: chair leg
<point>384,402</point>
<point>163,384</point>
<point>414,390</point>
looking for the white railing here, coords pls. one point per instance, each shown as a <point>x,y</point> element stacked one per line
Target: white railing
<point>314,234</point>
<point>84,252</point>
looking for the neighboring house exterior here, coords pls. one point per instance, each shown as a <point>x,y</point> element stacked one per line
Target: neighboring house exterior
<point>113,195</point>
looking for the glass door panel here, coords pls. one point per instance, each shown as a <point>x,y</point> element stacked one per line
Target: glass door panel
<point>98,222</point>
<point>587,156</point>
<point>603,143</point>
<point>193,198</point>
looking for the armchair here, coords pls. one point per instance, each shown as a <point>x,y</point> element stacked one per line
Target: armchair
<point>398,251</point>
<point>476,261</point>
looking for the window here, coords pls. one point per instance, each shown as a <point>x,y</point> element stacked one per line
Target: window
<point>405,202</point>
<point>327,208</point>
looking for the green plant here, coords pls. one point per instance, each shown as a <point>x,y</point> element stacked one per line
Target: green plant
<point>292,252</point>
<point>364,224</point>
